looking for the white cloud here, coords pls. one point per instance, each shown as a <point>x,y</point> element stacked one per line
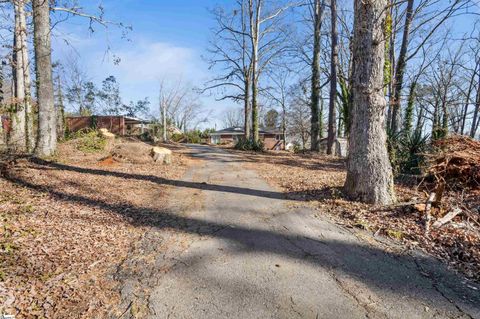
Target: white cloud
<point>144,63</point>
<point>148,62</point>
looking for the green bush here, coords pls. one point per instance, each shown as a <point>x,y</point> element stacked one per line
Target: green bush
<point>297,148</point>
<point>194,137</point>
<point>206,133</point>
<point>88,140</point>
<point>244,144</point>
<point>147,136</point>
<point>177,137</point>
<point>412,150</point>
<point>393,148</point>
<point>406,152</point>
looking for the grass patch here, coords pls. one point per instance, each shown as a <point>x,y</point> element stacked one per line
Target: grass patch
<point>398,235</point>
<point>362,224</point>
<point>88,141</point>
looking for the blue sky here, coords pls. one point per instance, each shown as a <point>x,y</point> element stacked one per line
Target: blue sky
<point>167,42</point>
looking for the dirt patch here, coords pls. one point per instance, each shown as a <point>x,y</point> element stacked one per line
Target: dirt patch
<point>317,181</point>
<point>68,223</point>
<point>107,161</point>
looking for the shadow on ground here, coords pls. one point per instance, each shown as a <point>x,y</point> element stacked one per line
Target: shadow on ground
<point>311,161</point>
<point>317,194</point>
<point>369,265</point>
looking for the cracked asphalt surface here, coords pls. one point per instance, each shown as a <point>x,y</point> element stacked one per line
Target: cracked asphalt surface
<point>241,251</point>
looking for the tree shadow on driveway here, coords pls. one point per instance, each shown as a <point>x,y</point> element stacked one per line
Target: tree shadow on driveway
<point>401,275</point>
<point>308,161</point>
<point>165,181</point>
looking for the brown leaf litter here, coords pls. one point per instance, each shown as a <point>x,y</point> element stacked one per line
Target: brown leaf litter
<point>317,181</point>
<point>63,233</point>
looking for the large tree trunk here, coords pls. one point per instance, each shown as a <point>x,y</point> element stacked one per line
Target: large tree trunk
<point>400,70</point>
<point>163,110</point>
<point>315,130</point>
<point>467,100</point>
<point>390,56</point>
<point>369,173</point>
<point>29,112</point>
<point>47,130</point>
<point>408,121</point>
<point>255,124</point>
<point>445,114</point>
<point>2,84</point>
<point>17,137</point>
<point>420,122</point>
<point>332,118</point>
<point>246,107</point>
<point>475,120</point>
<point>60,112</point>
<point>284,124</point>
<point>436,120</point>
<point>255,32</point>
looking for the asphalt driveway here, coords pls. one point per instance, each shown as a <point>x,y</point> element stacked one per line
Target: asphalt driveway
<point>239,250</point>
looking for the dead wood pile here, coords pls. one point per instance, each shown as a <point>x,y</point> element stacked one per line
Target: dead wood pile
<point>453,181</point>
<point>456,162</point>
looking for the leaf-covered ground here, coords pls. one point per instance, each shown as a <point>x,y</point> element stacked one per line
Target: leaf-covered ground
<point>66,225</point>
<point>317,181</point>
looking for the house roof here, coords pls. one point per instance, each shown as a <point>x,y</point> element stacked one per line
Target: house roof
<point>134,120</point>
<point>237,130</point>
<point>128,119</point>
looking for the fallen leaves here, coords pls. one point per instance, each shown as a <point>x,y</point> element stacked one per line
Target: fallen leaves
<point>65,227</point>
<point>317,181</point>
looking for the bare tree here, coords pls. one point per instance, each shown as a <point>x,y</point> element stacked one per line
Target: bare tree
<point>429,17</point>
<point>233,117</point>
<point>47,127</point>
<point>266,43</point>
<point>475,119</point>
<point>298,114</point>
<point>344,70</point>
<point>60,109</point>
<point>179,106</point>
<point>468,94</point>
<point>400,69</point>
<point>316,118</point>
<point>246,42</point>
<point>332,118</point>
<point>369,173</point>
<point>230,51</point>
<point>22,119</point>
<point>278,93</point>
<point>80,91</point>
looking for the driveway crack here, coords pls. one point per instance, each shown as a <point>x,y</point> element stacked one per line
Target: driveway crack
<point>435,286</point>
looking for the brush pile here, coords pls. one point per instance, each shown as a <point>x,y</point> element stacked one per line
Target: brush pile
<point>453,180</point>
<point>456,163</point>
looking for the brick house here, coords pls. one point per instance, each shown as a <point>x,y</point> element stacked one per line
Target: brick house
<point>117,124</point>
<point>273,139</point>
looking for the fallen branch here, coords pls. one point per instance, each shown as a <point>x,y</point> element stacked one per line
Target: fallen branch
<point>428,215</point>
<point>447,218</point>
<point>412,202</point>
